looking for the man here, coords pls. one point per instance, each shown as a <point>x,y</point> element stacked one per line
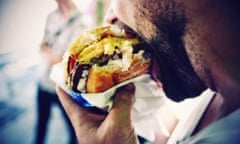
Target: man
<point>196,46</point>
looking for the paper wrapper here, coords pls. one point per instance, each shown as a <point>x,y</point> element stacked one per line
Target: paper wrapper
<point>148,100</point>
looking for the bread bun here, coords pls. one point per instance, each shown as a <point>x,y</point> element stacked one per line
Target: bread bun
<point>99,80</point>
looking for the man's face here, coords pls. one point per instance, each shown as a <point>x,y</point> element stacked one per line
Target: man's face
<point>162,24</point>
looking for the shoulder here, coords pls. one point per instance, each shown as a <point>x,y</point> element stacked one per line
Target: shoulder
<point>225,130</point>
<point>53,15</point>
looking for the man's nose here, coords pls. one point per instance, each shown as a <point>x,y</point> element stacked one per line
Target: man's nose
<point>110,17</point>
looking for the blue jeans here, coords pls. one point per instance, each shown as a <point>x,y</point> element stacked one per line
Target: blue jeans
<point>44,102</point>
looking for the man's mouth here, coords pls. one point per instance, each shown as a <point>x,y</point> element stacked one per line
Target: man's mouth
<point>129,31</point>
<point>172,67</point>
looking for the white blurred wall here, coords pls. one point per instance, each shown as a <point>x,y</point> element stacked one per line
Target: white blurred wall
<point>22,23</point>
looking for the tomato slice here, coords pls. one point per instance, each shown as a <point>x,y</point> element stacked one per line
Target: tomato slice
<point>71,63</point>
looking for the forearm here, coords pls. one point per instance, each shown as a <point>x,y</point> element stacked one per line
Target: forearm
<point>51,56</point>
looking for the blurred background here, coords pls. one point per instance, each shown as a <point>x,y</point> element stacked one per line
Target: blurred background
<point>21,30</point>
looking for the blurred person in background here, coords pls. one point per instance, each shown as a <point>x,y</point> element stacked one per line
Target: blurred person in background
<point>63,26</point>
<point>97,9</point>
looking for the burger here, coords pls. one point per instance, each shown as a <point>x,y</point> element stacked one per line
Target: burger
<point>103,57</point>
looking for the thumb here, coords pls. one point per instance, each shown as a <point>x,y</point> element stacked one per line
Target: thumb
<point>122,104</point>
<point>73,110</point>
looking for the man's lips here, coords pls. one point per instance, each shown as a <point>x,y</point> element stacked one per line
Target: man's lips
<point>130,32</point>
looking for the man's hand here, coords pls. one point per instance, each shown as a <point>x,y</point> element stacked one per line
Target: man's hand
<point>115,127</point>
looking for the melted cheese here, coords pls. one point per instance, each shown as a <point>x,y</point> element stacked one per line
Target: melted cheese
<point>108,46</point>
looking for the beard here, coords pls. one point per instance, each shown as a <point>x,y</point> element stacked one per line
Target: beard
<point>176,73</point>
<point>164,31</point>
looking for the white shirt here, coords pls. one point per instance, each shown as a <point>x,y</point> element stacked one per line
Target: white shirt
<point>223,131</point>
<point>189,121</point>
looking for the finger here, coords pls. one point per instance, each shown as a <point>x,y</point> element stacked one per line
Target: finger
<point>73,110</point>
<point>122,105</point>
<point>77,114</point>
<point>85,124</point>
<point>118,125</point>
<point>124,96</point>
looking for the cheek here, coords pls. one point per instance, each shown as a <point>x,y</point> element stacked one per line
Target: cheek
<point>198,60</point>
